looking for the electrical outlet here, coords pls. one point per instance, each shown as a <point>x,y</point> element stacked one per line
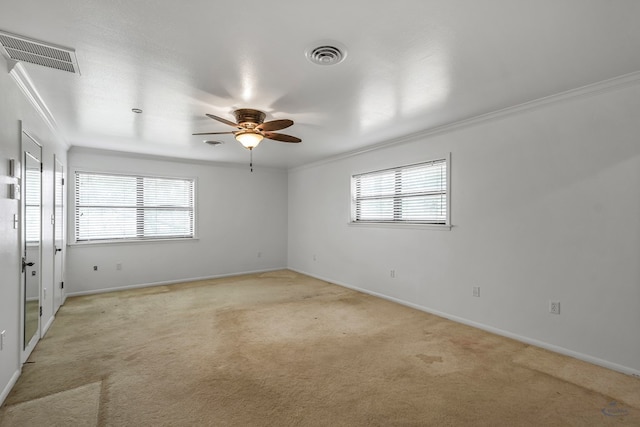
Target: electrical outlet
<point>314,257</point>
<point>119,266</point>
<point>554,307</point>
<point>392,273</point>
<point>476,291</point>
<point>259,254</point>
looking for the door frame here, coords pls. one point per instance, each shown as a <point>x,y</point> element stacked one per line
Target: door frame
<point>59,225</point>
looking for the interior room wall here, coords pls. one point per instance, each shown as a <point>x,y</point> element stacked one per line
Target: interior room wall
<point>241,226</point>
<point>15,108</point>
<point>544,206</point>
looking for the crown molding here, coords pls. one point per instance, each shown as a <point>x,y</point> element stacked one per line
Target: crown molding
<point>80,150</point>
<point>23,81</point>
<point>616,83</point>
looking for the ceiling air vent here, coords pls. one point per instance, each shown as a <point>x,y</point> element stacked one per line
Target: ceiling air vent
<point>326,54</point>
<point>36,52</point>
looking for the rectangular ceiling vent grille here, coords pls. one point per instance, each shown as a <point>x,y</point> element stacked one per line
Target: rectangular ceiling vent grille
<point>47,55</point>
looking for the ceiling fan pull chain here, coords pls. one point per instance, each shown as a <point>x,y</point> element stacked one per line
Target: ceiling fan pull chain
<point>251,159</point>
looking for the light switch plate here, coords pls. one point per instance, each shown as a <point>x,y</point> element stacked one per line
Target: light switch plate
<point>13,168</point>
<point>14,191</point>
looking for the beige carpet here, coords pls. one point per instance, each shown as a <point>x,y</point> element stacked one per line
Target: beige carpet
<point>283,349</point>
<point>75,407</point>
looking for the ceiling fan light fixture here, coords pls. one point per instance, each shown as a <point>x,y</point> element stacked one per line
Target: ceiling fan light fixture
<point>249,139</point>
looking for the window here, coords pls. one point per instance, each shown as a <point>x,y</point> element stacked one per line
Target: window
<point>32,205</point>
<point>123,207</point>
<point>406,194</point>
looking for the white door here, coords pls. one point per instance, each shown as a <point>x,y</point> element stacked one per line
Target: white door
<point>58,233</point>
<point>31,242</point>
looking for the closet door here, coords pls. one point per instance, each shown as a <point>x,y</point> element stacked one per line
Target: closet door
<point>31,243</point>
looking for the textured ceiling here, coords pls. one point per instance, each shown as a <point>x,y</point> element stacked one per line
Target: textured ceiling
<point>412,65</point>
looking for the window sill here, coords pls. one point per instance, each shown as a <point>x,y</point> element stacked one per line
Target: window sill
<point>129,242</point>
<point>406,225</point>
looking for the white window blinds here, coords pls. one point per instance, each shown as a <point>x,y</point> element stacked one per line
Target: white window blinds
<point>32,205</point>
<point>58,206</point>
<point>406,194</point>
<point>117,207</point>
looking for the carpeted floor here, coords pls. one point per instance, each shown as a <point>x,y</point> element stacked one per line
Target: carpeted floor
<point>282,349</point>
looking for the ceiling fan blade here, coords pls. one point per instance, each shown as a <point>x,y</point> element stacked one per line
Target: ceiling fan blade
<point>212,133</point>
<point>225,121</point>
<point>275,125</point>
<point>281,137</point>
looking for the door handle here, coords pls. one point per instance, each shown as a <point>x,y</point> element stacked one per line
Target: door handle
<point>58,249</point>
<point>26,264</point>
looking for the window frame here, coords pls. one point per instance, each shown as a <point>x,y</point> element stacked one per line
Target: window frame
<point>398,223</point>
<point>114,241</point>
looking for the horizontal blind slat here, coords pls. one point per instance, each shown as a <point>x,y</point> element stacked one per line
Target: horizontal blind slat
<point>110,207</point>
<point>415,193</point>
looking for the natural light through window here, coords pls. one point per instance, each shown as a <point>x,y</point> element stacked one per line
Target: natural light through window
<point>413,194</point>
<point>125,207</point>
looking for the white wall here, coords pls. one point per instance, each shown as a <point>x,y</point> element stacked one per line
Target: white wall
<point>14,107</point>
<point>545,205</point>
<point>239,214</point>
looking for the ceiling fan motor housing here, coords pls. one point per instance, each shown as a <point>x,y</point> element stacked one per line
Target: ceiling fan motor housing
<point>247,117</point>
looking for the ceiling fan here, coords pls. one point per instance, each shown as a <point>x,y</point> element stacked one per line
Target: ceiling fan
<point>252,128</point>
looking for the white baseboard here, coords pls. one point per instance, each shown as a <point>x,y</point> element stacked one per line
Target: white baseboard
<point>551,347</point>
<point>12,382</point>
<point>167,282</point>
<point>47,326</point>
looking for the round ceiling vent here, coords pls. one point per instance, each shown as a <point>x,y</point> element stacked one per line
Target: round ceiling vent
<point>327,54</point>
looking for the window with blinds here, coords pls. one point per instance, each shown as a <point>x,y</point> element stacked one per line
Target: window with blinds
<point>124,207</point>
<point>58,208</point>
<point>32,205</point>
<point>405,194</point>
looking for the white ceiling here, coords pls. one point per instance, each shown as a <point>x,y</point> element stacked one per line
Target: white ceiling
<point>412,65</point>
